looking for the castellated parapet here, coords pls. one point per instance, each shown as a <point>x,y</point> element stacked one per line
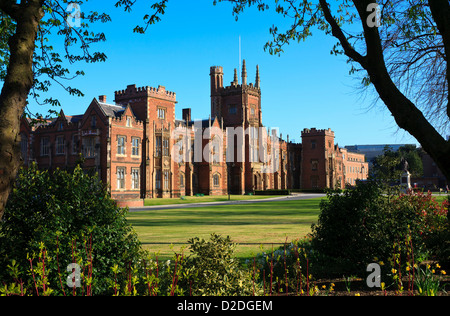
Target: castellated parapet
<point>133,92</point>
<point>217,86</point>
<point>240,88</point>
<point>317,132</point>
<point>216,70</point>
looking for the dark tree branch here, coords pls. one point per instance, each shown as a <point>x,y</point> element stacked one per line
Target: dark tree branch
<point>339,34</point>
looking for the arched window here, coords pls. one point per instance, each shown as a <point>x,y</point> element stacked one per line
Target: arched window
<point>182,180</point>
<point>216,180</point>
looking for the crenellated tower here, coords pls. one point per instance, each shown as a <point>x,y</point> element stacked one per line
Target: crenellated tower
<point>237,104</point>
<point>318,159</point>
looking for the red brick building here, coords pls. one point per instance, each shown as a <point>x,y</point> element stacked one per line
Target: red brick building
<point>140,150</point>
<point>325,165</point>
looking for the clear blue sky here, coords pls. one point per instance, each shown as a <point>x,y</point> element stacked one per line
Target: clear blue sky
<point>306,87</point>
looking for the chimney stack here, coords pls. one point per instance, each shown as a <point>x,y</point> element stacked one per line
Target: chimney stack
<point>187,115</point>
<point>258,80</point>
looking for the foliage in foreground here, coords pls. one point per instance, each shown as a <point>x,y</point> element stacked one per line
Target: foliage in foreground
<point>358,225</point>
<point>58,218</point>
<point>206,271</point>
<point>61,218</point>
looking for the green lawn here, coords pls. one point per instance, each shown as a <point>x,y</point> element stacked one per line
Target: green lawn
<point>204,199</point>
<point>441,198</point>
<point>249,225</point>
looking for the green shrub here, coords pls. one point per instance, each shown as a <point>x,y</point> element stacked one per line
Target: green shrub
<point>212,270</point>
<point>69,216</point>
<point>346,228</point>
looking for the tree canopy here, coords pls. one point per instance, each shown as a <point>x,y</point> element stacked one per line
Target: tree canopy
<point>389,167</point>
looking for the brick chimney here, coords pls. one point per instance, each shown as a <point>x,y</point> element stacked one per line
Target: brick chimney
<point>102,98</point>
<point>187,115</point>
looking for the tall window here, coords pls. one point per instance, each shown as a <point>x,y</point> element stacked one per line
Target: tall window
<point>166,179</point>
<point>135,179</point>
<point>216,180</point>
<point>314,165</point>
<point>232,109</point>
<point>182,180</point>
<point>313,144</point>
<point>253,137</point>
<point>89,147</point>
<point>158,179</point>
<point>45,146</point>
<point>192,152</point>
<point>60,145</point>
<point>161,113</point>
<point>121,145</point>
<point>74,144</point>
<point>180,146</point>
<point>120,178</point>
<point>93,121</point>
<point>135,142</point>
<point>158,146</point>
<point>216,149</point>
<point>166,147</point>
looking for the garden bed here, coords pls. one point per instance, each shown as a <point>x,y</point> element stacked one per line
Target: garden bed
<point>358,287</point>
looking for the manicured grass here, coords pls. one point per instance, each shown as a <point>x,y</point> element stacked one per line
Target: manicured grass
<point>203,199</point>
<point>249,225</point>
<point>441,198</point>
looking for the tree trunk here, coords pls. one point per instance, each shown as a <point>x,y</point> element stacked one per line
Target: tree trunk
<point>17,85</point>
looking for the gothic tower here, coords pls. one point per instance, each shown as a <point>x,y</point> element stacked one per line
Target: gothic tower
<point>239,106</point>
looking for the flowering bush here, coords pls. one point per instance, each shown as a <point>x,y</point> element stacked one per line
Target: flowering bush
<point>426,220</point>
<point>359,224</point>
<point>427,215</point>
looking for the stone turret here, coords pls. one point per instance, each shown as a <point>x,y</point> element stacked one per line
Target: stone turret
<point>216,73</point>
<point>257,80</point>
<point>244,74</point>
<point>236,80</point>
